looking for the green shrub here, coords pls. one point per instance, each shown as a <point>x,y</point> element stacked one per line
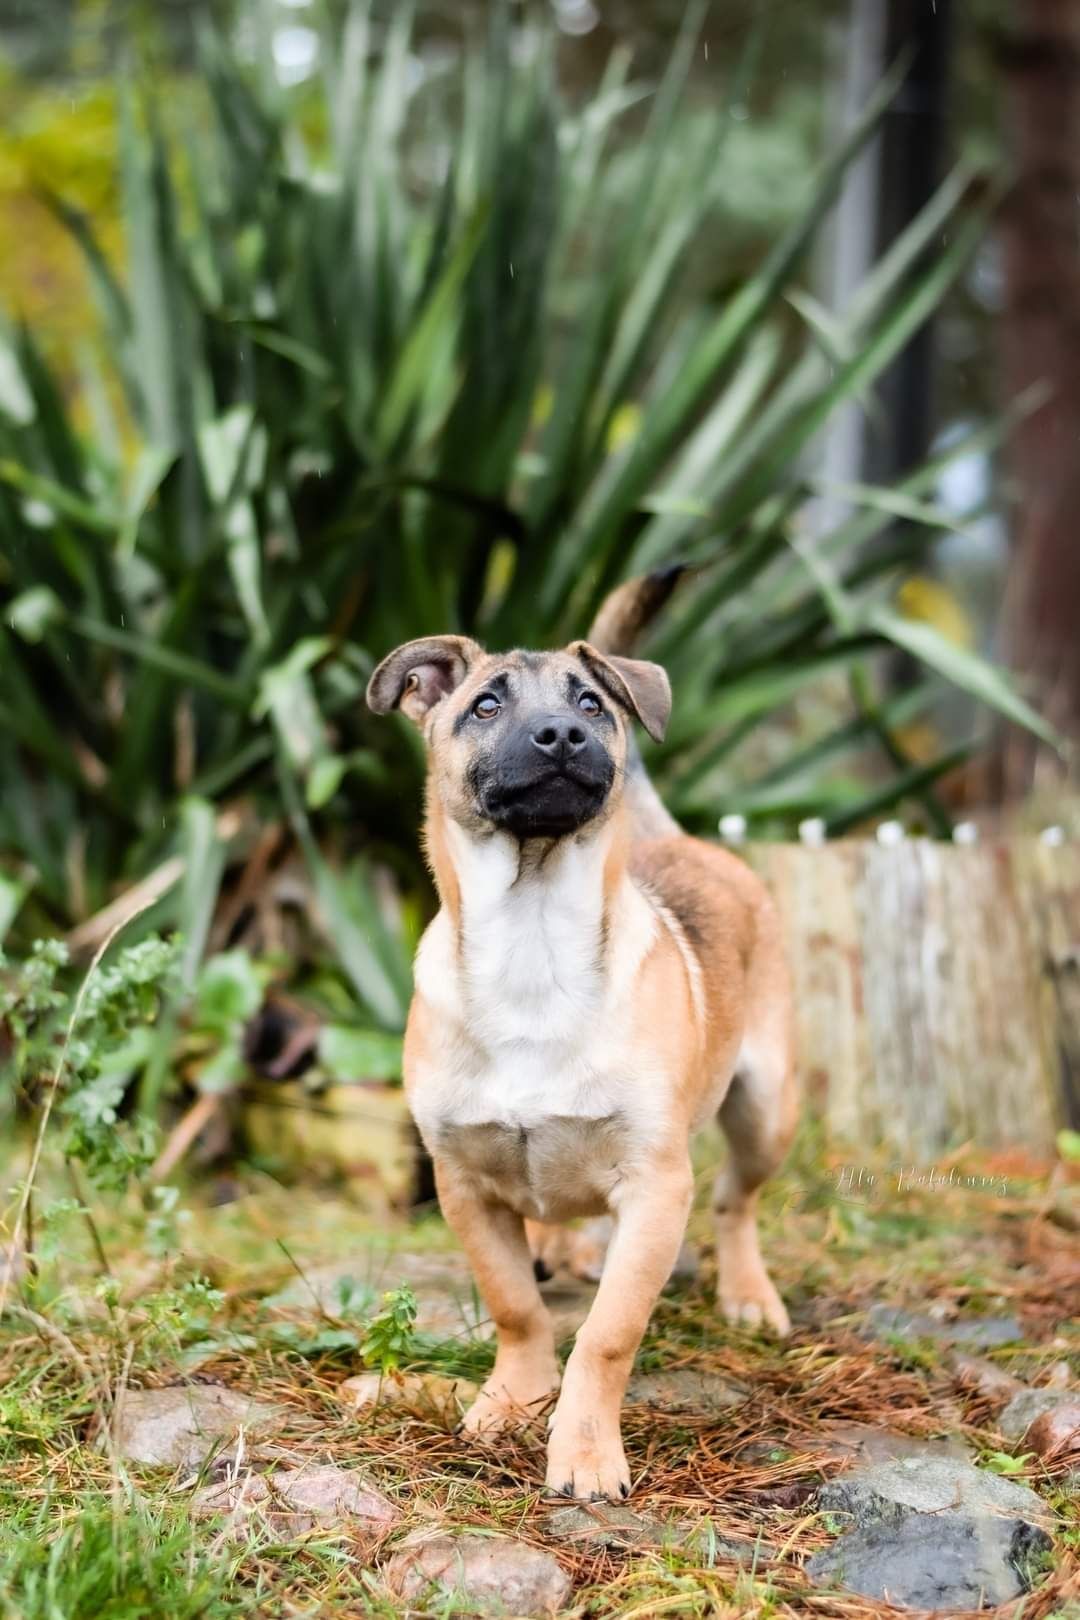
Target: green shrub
<point>414,360</point>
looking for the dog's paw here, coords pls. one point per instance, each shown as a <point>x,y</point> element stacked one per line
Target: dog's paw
<point>497,1410</point>
<point>590,1473</point>
<point>752,1302</point>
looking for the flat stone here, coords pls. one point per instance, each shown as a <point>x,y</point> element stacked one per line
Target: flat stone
<point>980,1332</point>
<point>1065,1210</point>
<point>981,1377</point>
<point>889,1491</point>
<point>949,1561</point>
<point>579,1252</point>
<point>181,1426</point>
<point>706,1541</point>
<point>766,1453</point>
<point>613,1525</point>
<point>864,1443</point>
<point>685,1390</point>
<point>569,1301</point>
<point>443,1397</point>
<point>609,1524</point>
<point>1057,1433</point>
<point>569,1298</point>
<point>295,1501</point>
<point>12,1265</point>
<point>1027,1407</point>
<point>492,1575</point>
<point>449,1306</point>
<point>687,1265</point>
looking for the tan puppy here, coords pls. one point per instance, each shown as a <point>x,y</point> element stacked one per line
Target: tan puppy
<point>595,986</point>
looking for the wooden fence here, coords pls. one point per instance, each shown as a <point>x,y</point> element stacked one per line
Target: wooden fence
<point>937,989</point>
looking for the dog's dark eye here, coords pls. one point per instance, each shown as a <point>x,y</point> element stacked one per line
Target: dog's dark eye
<point>486,706</point>
<point>588,703</point>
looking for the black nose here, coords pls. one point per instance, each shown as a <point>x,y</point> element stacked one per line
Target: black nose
<point>558,737</point>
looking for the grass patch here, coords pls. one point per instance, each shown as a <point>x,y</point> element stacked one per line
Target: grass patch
<point>100,1563</point>
<point>82,1534</point>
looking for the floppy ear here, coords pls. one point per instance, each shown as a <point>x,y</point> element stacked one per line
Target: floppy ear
<point>641,687</point>
<point>419,674</point>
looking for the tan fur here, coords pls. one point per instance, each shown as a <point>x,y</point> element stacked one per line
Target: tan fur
<point>583,1004</point>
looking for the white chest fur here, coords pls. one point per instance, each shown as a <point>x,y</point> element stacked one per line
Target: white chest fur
<point>531,1026</point>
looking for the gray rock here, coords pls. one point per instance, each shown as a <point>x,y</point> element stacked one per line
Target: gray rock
<point>449,1306</point>
<point>687,1265</point>
<point>1058,1376</point>
<point>615,1524</point>
<point>295,1501</point>
<point>1057,1433</point>
<point>864,1443</point>
<point>447,1297</point>
<point>569,1301</point>
<point>981,1377</point>
<point>610,1524</point>
<point>706,1541</point>
<point>890,1491</point>
<point>1065,1210</point>
<point>950,1561</point>
<point>181,1426</point>
<point>1029,1405</point>
<point>569,1298</point>
<point>491,1575</point>
<point>433,1393</point>
<point>685,1390</point>
<point>12,1265</point>
<point>766,1451</point>
<point>980,1332</point>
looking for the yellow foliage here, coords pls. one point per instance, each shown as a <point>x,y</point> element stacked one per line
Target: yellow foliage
<point>933,603</point>
<point>625,425</point>
<point>921,741</point>
<point>543,404</point>
<point>63,141</point>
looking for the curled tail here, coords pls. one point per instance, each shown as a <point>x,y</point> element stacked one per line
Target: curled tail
<point>622,618</point>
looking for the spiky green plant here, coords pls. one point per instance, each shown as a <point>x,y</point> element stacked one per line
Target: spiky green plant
<point>412,360</point>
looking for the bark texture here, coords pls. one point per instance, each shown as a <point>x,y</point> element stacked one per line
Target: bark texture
<point>1040,344</point>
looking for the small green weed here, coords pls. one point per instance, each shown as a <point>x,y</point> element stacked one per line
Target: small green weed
<point>389,1339</point>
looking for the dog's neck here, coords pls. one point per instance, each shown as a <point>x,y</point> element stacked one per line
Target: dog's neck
<point>490,880</point>
<point>532,942</point>
<point>534,924</point>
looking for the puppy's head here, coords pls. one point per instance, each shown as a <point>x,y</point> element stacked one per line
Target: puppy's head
<point>533,744</point>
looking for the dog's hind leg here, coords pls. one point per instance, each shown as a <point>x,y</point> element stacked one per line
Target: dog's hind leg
<point>578,1250</point>
<point>582,1250</point>
<point>758,1117</point>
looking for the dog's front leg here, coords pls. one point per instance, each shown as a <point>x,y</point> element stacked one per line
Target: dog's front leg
<point>585,1451</point>
<point>526,1371</point>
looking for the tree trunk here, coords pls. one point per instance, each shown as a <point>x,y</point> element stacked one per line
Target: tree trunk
<point>1040,339</point>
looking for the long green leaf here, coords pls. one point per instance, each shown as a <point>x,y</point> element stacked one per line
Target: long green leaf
<point>350,918</point>
<point>189,670</point>
<point>909,784</point>
<point>963,669</point>
<point>730,329</point>
<point>203,852</point>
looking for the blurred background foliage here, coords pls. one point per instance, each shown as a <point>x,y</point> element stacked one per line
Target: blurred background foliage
<point>332,325</point>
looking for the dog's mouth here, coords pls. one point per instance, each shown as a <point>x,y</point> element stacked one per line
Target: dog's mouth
<point>547,804</point>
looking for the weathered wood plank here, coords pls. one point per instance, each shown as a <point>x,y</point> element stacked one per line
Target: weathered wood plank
<point>937,989</point>
<point>1051,889</point>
